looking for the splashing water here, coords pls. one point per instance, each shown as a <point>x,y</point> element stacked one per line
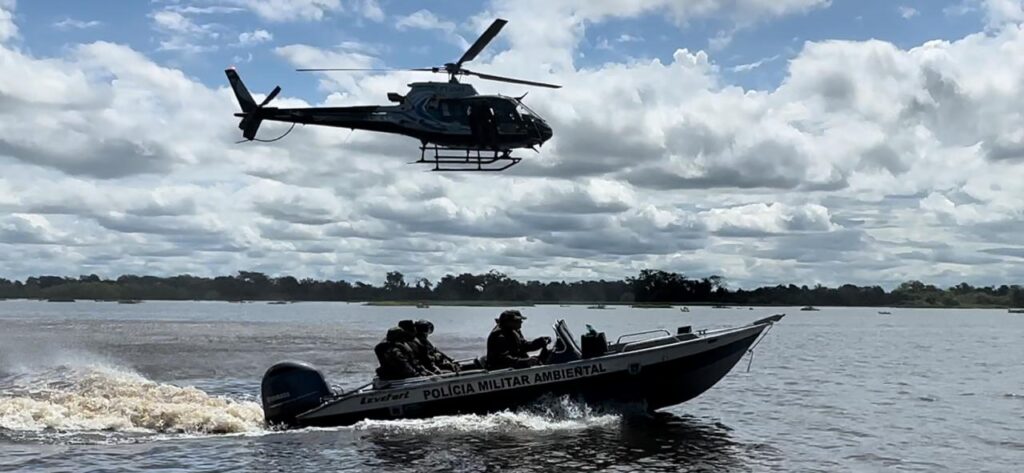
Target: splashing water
<point>548,414</point>
<point>99,398</point>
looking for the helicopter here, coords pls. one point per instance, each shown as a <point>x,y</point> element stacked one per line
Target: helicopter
<point>458,128</point>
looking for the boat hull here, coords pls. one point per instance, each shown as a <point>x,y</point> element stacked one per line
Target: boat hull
<point>655,378</point>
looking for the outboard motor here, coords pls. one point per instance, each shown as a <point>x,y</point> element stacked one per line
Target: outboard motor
<point>290,388</point>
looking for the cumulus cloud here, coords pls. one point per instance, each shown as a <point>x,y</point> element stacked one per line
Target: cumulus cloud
<point>427,20</point>
<point>424,20</point>
<point>26,229</point>
<point>182,33</point>
<point>88,124</point>
<point>290,10</point>
<point>768,219</point>
<point>371,10</point>
<point>250,38</point>
<point>1002,12</point>
<point>868,163</point>
<point>8,29</point>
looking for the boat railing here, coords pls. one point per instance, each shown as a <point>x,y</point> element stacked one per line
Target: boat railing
<point>645,332</point>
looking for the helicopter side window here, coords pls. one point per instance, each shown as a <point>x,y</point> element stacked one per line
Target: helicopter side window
<point>504,111</point>
<point>453,110</point>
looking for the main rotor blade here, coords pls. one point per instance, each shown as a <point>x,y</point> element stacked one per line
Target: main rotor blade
<point>482,41</point>
<point>509,79</point>
<point>335,69</point>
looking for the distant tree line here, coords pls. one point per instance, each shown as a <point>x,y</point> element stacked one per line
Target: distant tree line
<point>648,287</point>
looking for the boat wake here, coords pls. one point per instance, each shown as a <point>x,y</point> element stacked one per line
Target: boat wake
<point>549,414</point>
<point>100,403</point>
<point>63,400</point>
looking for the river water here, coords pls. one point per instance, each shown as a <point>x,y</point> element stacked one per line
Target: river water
<point>173,386</point>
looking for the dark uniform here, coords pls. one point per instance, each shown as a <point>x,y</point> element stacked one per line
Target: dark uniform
<point>437,358</point>
<point>421,353</point>
<point>397,360</point>
<point>506,346</point>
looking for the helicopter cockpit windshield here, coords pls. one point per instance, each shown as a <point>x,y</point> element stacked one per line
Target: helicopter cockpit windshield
<point>526,111</point>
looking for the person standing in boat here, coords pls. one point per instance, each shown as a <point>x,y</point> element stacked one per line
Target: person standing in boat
<point>397,360</point>
<point>444,362</point>
<point>506,346</point>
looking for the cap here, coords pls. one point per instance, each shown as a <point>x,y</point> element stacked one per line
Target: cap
<point>510,315</point>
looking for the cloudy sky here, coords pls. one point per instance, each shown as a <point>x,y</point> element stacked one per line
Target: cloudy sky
<point>805,141</point>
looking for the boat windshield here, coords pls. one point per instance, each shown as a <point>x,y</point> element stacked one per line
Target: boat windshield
<point>566,349</point>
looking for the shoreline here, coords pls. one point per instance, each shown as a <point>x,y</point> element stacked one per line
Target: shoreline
<point>498,303</point>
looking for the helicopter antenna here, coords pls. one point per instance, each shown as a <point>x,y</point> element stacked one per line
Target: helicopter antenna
<point>454,69</point>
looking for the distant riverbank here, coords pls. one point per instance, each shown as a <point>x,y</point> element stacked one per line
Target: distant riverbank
<point>426,304</point>
<point>649,289</point>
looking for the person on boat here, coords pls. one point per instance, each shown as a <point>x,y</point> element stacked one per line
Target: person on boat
<point>397,360</point>
<point>506,346</point>
<point>444,362</point>
<point>420,351</point>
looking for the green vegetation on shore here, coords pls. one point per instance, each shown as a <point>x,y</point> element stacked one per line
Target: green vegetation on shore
<point>649,289</point>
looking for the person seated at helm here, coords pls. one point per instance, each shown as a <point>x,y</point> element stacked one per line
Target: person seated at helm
<point>444,362</point>
<point>397,360</point>
<point>506,346</point>
<point>421,354</point>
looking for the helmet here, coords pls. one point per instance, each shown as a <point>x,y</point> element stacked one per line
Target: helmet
<point>424,326</point>
<point>509,316</point>
<point>407,325</point>
<point>397,334</point>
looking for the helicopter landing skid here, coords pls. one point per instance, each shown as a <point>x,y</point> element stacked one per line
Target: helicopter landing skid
<point>446,158</point>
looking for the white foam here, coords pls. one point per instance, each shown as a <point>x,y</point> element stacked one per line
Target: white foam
<point>99,398</point>
<point>548,415</point>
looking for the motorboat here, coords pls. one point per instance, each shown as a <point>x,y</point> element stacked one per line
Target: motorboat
<point>654,368</point>
<point>809,308</point>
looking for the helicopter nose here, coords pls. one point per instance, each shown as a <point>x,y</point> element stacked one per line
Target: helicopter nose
<point>545,132</point>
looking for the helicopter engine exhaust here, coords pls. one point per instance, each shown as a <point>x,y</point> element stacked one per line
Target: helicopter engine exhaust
<point>251,111</point>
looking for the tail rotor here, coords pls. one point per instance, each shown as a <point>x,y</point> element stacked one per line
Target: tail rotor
<point>252,114</point>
